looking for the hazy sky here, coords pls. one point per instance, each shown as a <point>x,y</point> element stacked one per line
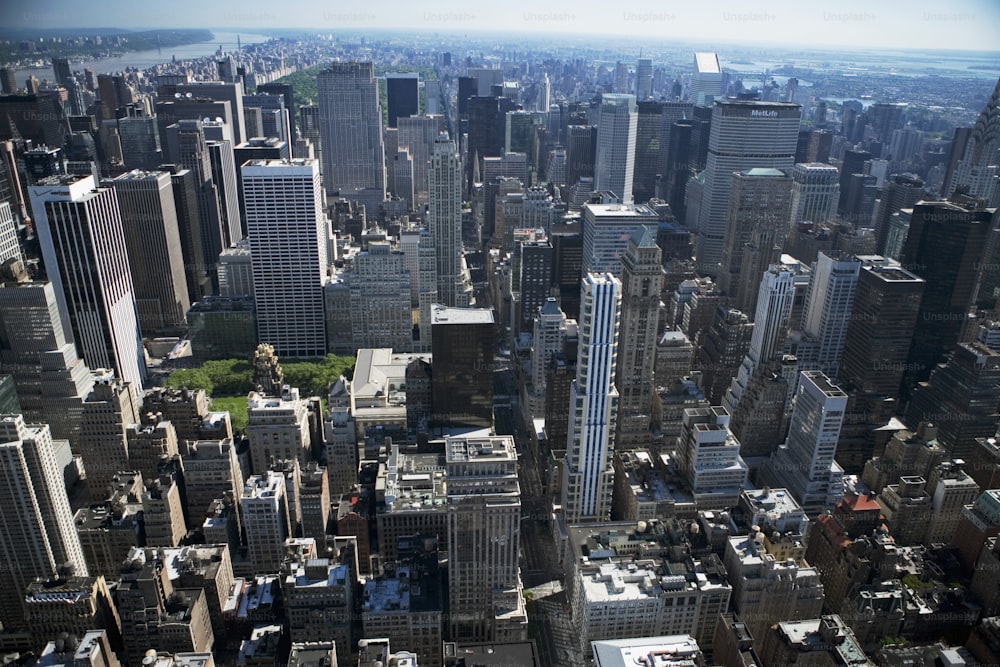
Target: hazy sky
<point>948,24</point>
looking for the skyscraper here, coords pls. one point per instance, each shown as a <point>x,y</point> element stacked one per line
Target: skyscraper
<point>755,231</point>
<point>960,398</point>
<point>643,79</point>
<point>444,219</point>
<point>110,409</point>
<point>805,463</point>
<point>886,306</point>
<point>417,135</point>
<point>588,473</point>
<point>149,219</point>
<point>607,227</point>
<point>648,140</point>
<point>827,313</point>
<point>140,139</point>
<point>83,246</point>
<point>484,516</point>
<point>706,79</point>
<point>221,91</point>
<point>642,278</point>
<point>61,69</point>
<point>187,144</point>
<point>37,535</point>
<point>708,456</point>
<point>462,347</point>
<point>744,134</point>
<point>614,161</point>
<point>402,95</point>
<point>36,348</point>
<point>945,246</point>
<point>776,292</point>
<point>853,163</point>
<point>815,192</point>
<point>380,299</point>
<point>976,167</point>
<point>903,191</point>
<point>288,247</point>
<point>350,121</point>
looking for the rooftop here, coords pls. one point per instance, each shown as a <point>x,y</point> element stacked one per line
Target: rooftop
<point>647,651</point>
<point>638,212</point>
<point>441,314</point>
<point>499,447</point>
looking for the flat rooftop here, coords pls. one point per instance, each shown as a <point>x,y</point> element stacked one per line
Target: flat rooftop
<point>617,211</point>
<point>444,315</point>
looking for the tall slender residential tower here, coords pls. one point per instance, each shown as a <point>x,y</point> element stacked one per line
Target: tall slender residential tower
<point>37,533</point>
<point>614,162</point>
<point>350,122</point>
<point>588,473</point>
<point>149,218</point>
<point>288,249</point>
<point>744,134</point>
<point>444,219</point>
<point>83,247</point>
<point>642,278</point>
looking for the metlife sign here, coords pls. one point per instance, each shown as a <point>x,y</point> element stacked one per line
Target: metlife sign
<point>763,113</point>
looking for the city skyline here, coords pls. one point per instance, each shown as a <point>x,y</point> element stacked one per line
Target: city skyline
<point>461,337</point>
<point>963,25</point>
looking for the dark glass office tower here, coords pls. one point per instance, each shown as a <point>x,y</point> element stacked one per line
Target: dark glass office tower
<point>462,348</point>
<point>647,150</point>
<point>945,247</point>
<point>402,96</point>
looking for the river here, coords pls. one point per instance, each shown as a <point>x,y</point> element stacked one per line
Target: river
<point>144,59</point>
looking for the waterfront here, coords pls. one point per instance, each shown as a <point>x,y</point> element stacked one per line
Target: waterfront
<point>144,59</point>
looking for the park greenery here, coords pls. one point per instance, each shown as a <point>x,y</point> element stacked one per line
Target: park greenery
<point>234,377</point>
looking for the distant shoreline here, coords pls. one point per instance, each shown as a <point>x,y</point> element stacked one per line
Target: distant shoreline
<point>113,44</point>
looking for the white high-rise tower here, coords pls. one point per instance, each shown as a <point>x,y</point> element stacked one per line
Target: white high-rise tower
<point>805,464</point>
<point>288,250</point>
<point>37,533</point>
<point>83,245</point>
<point>706,80</point>
<point>615,158</point>
<point>588,474</point>
<point>827,313</point>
